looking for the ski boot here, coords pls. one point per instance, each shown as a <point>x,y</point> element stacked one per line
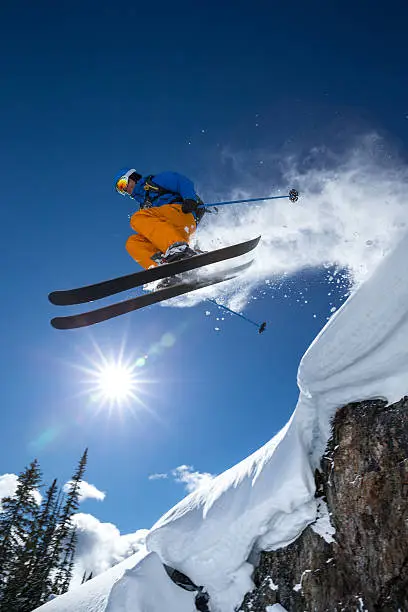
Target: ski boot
<point>169,281</point>
<point>177,251</point>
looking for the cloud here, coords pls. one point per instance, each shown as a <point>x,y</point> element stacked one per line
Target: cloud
<point>158,476</point>
<point>8,488</point>
<point>352,210</point>
<point>192,480</point>
<point>101,546</point>
<point>87,491</point>
<point>186,475</point>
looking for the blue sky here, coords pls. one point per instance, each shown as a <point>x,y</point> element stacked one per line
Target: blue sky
<point>215,91</point>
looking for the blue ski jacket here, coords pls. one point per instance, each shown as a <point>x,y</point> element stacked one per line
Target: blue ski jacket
<point>178,188</point>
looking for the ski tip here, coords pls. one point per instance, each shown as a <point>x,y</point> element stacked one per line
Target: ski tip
<point>62,298</point>
<point>55,323</point>
<point>64,323</point>
<point>52,298</point>
<point>262,327</point>
<point>59,299</point>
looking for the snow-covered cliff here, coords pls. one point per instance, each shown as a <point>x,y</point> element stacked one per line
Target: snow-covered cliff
<point>265,502</point>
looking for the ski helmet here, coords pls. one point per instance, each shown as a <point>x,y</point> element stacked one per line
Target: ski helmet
<point>122,179</point>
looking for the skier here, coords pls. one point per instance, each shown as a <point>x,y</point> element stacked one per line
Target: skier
<point>167,218</point>
<point>169,213</point>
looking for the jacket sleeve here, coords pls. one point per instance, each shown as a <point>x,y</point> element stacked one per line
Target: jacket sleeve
<point>178,183</point>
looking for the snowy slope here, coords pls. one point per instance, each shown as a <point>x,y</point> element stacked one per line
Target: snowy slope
<point>93,595</point>
<point>139,583</point>
<point>268,499</point>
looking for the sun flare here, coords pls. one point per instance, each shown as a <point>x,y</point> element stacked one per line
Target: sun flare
<point>116,382</point>
<point>113,382</point>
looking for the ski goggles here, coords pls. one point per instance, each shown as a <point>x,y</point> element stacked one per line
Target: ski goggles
<point>123,181</point>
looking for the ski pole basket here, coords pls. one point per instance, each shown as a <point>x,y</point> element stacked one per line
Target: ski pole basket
<point>293,195</point>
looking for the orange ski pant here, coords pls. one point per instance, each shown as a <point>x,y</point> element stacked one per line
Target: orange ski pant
<point>157,229</point>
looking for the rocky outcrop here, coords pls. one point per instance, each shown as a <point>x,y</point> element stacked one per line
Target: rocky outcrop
<point>364,482</point>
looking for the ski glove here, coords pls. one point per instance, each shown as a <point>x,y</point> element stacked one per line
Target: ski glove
<point>189,206</point>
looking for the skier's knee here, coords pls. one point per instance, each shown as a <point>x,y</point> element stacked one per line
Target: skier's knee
<point>138,220</point>
<point>131,247</point>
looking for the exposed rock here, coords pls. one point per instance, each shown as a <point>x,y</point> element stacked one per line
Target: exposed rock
<point>364,480</point>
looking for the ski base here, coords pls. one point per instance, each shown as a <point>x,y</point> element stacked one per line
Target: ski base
<point>106,288</point>
<point>86,319</point>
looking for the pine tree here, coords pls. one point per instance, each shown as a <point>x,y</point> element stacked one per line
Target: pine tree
<point>66,532</point>
<point>37,586</point>
<point>68,564</point>
<point>49,562</point>
<point>17,542</point>
<point>37,544</point>
<point>85,578</point>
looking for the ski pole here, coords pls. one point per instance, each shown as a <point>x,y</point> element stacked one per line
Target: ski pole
<point>293,197</point>
<point>261,326</point>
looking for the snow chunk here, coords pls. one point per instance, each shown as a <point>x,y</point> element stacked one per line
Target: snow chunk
<point>322,526</point>
<point>298,587</point>
<point>272,585</point>
<point>147,587</point>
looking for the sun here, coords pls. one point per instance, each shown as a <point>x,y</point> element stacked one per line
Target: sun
<point>116,382</point>
<point>113,381</point>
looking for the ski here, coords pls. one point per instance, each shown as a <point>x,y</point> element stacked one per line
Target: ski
<point>114,310</point>
<point>106,288</point>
